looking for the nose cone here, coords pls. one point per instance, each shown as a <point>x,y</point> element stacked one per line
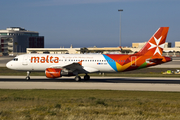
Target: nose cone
<point>9,65</point>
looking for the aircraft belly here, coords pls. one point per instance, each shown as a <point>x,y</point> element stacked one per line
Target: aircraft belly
<point>39,66</point>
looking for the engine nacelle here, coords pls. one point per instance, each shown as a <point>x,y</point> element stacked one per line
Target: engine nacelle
<point>53,72</point>
<point>65,72</point>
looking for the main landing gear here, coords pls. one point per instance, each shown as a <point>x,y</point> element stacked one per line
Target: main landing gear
<point>86,77</point>
<point>78,78</point>
<point>28,77</point>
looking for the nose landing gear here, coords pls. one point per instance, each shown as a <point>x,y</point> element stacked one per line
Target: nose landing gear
<point>28,77</point>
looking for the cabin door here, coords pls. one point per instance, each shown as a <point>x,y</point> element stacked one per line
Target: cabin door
<point>25,60</point>
<point>133,61</point>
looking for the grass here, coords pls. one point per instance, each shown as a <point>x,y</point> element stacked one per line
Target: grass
<point>88,105</point>
<point>146,72</point>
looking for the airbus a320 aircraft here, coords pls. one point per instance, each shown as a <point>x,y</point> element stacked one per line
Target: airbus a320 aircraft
<point>57,65</point>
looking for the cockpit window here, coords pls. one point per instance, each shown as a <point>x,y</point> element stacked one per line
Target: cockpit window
<point>15,59</point>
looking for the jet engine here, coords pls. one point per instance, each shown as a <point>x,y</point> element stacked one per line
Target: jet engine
<point>53,72</point>
<point>56,72</point>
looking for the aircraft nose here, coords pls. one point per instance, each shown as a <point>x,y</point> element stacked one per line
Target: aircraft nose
<point>9,65</point>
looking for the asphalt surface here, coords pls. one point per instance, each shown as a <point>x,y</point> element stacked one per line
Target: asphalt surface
<point>153,80</point>
<point>101,83</point>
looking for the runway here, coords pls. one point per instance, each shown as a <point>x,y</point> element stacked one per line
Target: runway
<point>101,83</point>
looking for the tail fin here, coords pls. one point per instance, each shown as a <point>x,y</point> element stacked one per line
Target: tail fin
<point>156,43</point>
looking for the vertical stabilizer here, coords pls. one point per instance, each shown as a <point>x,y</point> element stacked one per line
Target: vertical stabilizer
<point>155,45</point>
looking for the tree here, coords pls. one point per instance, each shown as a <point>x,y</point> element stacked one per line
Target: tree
<point>84,50</point>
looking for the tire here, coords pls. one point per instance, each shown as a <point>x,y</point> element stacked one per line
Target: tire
<point>77,78</point>
<point>27,78</point>
<point>86,77</point>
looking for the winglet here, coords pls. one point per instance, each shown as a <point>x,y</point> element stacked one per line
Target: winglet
<point>80,62</point>
<point>156,43</point>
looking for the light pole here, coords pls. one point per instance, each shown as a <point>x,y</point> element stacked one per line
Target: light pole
<point>120,10</point>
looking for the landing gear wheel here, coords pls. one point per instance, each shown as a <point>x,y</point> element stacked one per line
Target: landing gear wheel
<point>77,78</point>
<point>27,78</point>
<point>28,73</point>
<point>86,77</point>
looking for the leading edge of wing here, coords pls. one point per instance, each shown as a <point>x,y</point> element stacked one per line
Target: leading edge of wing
<point>76,67</point>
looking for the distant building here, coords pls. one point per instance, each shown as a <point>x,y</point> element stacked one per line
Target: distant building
<point>16,40</point>
<point>140,45</point>
<point>177,44</point>
<point>53,50</point>
<point>72,50</point>
<point>168,51</point>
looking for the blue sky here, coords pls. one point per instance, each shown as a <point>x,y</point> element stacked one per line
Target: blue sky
<point>88,23</point>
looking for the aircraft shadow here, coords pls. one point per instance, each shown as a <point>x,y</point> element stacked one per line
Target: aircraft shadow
<point>105,80</point>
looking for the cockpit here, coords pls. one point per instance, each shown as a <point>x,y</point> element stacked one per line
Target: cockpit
<point>15,59</point>
<point>13,64</point>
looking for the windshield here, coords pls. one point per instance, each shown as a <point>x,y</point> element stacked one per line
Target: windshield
<point>15,59</point>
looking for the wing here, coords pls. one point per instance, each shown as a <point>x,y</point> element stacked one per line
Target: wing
<point>76,68</point>
<point>73,67</point>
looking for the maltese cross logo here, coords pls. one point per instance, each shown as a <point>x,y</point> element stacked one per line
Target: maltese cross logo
<point>157,46</point>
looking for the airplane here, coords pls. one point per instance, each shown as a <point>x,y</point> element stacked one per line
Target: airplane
<point>58,65</point>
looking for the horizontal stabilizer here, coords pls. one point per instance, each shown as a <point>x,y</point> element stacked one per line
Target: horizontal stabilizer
<point>155,60</point>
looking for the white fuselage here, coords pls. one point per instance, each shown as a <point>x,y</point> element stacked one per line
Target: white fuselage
<point>39,62</point>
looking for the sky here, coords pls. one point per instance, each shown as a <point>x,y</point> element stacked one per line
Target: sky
<point>88,23</point>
